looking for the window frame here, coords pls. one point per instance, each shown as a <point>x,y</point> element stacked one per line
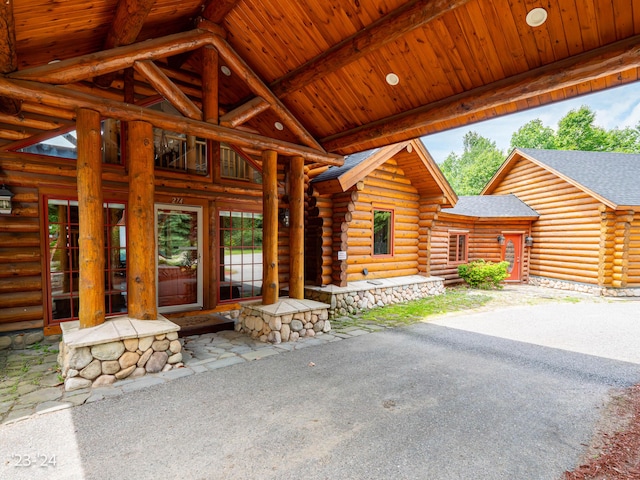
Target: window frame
<point>390,234</point>
<point>457,234</point>
<point>242,210</point>
<point>71,200</point>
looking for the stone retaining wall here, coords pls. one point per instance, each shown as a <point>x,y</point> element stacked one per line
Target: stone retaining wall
<point>23,339</point>
<point>364,295</point>
<point>583,287</point>
<point>105,363</point>
<point>286,321</point>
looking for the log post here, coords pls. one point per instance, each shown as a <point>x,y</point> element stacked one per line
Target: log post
<point>90,219</point>
<point>270,227</point>
<point>296,229</point>
<point>141,280</point>
<point>210,69</point>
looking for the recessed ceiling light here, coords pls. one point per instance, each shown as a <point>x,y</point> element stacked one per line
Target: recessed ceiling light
<point>392,79</point>
<point>536,17</point>
<point>54,61</point>
<point>278,126</point>
<point>224,69</point>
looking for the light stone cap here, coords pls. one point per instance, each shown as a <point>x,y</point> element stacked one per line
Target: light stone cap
<point>114,329</point>
<point>290,305</point>
<point>365,285</point>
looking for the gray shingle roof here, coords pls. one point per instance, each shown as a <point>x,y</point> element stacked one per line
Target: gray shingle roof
<point>613,176</point>
<point>350,161</point>
<point>507,206</point>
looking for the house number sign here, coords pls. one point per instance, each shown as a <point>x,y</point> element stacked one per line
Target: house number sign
<point>177,200</point>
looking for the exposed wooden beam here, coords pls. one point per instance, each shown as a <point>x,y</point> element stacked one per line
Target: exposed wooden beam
<point>69,99</point>
<point>216,10</point>
<point>210,85</point>
<point>244,113</point>
<point>126,25</point>
<point>95,64</point>
<point>389,28</point>
<point>10,106</point>
<point>256,85</point>
<point>8,55</point>
<point>37,123</point>
<point>591,65</point>
<point>167,89</point>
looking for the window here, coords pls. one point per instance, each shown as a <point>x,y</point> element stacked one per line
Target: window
<point>458,246</point>
<point>240,255</point>
<point>63,255</point>
<point>180,153</point>
<point>382,232</point>
<point>65,145</point>
<point>233,166</point>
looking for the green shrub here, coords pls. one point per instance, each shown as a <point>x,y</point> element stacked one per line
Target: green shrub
<point>485,275</point>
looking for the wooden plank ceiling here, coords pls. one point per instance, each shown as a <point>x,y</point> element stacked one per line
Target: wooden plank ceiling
<point>317,67</point>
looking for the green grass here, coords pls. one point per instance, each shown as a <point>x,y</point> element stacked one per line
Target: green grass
<point>417,310</point>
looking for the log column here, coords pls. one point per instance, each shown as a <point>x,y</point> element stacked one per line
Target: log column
<point>296,229</point>
<point>270,227</point>
<point>141,280</point>
<point>90,219</point>
<point>210,82</point>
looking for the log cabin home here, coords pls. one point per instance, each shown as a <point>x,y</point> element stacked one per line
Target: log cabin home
<point>491,228</point>
<point>369,228</point>
<point>147,146</point>
<point>587,236</point>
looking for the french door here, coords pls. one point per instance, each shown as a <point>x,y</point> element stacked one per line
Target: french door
<point>178,257</point>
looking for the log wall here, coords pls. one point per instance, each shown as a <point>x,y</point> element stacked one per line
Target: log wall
<point>482,238</point>
<point>567,236</point>
<point>23,266</point>
<point>633,273</point>
<point>21,290</point>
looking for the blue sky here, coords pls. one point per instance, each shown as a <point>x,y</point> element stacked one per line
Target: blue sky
<point>614,107</point>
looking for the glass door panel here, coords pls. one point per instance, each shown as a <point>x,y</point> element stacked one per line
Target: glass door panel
<point>178,243</point>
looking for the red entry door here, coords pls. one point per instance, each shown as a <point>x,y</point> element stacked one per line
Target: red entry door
<point>512,253</point>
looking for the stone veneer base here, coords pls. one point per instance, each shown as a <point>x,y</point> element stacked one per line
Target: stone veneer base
<point>366,294</point>
<point>583,287</point>
<point>120,348</point>
<point>285,321</point>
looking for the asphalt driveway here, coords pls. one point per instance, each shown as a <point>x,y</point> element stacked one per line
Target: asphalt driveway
<point>513,393</point>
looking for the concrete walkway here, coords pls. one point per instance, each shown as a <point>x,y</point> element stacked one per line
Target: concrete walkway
<point>30,382</point>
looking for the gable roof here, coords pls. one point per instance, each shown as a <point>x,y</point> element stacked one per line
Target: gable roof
<point>610,177</point>
<point>411,156</point>
<point>492,206</point>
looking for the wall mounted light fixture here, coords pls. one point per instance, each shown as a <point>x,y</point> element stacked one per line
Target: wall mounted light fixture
<point>283,216</point>
<point>500,239</point>
<point>528,241</point>
<point>5,200</point>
